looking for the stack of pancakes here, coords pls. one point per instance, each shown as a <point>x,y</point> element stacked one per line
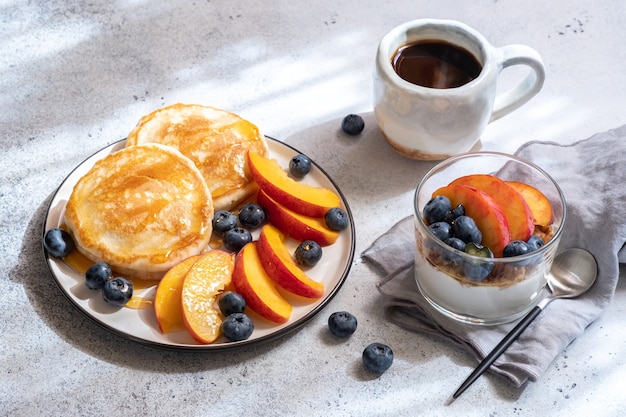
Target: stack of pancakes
<point>150,205</point>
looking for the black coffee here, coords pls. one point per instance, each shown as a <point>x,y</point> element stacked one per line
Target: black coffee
<point>435,64</point>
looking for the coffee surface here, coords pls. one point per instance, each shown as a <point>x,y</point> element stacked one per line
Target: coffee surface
<point>435,64</point>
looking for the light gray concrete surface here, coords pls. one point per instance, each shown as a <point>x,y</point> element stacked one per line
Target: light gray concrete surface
<point>76,76</point>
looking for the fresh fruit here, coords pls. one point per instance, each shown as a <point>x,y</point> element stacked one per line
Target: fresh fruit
<point>441,230</point>
<point>252,282</point>
<point>336,219</point>
<point>237,326</point>
<point>308,253</point>
<point>479,269</point>
<point>223,221</point>
<point>299,166</point>
<point>538,203</point>
<point>281,267</point>
<point>535,242</point>
<point>252,216</point>
<point>377,357</point>
<point>167,297</point>
<point>231,302</point>
<point>295,225</point>
<point>117,291</point>
<point>237,238</point>
<point>456,243</point>
<point>97,275</point>
<point>484,210</point>
<point>515,248</point>
<point>465,228</point>
<point>455,213</point>
<point>511,202</point>
<point>342,324</point>
<point>299,197</point>
<point>204,281</point>
<point>58,243</point>
<point>436,209</point>
<point>352,124</point>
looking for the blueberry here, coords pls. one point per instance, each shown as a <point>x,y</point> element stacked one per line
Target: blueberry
<point>237,238</point>
<point>441,230</point>
<point>535,242</point>
<point>223,220</point>
<point>454,213</point>
<point>457,244</point>
<point>252,215</point>
<point>308,253</point>
<point>237,326</point>
<point>342,324</point>
<point>336,219</point>
<point>117,291</point>
<point>299,166</point>
<point>465,228</point>
<point>436,209</point>
<point>477,270</point>
<point>97,274</point>
<point>352,124</point>
<point>231,302</point>
<point>515,248</point>
<point>377,357</point>
<point>58,243</point>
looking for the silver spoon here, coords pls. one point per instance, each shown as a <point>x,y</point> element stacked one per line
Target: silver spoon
<point>573,272</point>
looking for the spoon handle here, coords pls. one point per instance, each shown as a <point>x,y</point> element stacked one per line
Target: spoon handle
<point>498,350</point>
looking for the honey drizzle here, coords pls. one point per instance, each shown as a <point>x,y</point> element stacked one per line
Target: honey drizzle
<point>80,264</point>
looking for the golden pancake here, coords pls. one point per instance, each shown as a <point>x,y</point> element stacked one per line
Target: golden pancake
<point>141,209</point>
<point>215,140</point>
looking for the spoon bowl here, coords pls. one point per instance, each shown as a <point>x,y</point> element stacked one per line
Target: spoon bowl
<point>573,273</point>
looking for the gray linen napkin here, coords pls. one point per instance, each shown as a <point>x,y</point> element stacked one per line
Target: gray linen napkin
<point>592,176</point>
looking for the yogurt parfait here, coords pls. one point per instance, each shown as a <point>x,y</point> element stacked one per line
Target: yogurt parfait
<point>487,228</point>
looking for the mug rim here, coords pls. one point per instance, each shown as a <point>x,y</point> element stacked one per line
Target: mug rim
<point>387,47</point>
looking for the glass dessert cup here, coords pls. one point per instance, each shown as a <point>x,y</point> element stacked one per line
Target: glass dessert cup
<point>515,284</point>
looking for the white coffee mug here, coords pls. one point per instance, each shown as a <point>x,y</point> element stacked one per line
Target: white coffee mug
<point>428,123</point>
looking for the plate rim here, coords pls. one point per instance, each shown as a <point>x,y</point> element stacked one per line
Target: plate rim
<point>274,335</point>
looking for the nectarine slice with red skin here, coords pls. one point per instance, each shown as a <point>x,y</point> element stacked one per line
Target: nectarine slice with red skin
<point>486,213</point>
<point>295,225</point>
<point>205,280</point>
<point>512,204</point>
<point>539,204</point>
<point>257,288</point>
<point>167,297</point>
<point>302,198</point>
<point>281,267</point>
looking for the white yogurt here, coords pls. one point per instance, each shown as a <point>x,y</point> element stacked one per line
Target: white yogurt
<point>479,303</point>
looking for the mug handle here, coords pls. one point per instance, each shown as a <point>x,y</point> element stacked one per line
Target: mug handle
<point>514,98</point>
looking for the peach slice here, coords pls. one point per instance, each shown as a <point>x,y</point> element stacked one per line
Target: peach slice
<point>513,205</point>
<point>252,282</point>
<point>299,197</point>
<point>295,225</point>
<point>169,314</point>
<point>486,213</point>
<point>204,281</point>
<point>537,201</point>
<point>281,267</point>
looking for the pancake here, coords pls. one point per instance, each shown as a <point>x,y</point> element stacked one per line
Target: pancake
<point>215,140</point>
<point>141,209</point>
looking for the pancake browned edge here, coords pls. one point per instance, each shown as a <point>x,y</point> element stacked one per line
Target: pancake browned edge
<point>217,141</point>
<point>141,209</point>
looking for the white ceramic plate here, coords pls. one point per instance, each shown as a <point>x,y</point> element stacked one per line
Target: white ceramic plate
<point>140,324</point>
